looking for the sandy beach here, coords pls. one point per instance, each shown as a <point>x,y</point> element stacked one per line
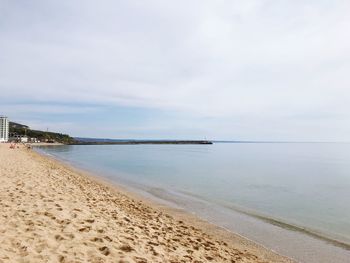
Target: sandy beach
<point>51,212</point>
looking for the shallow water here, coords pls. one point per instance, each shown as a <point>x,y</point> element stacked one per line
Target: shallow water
<point>304,185</point>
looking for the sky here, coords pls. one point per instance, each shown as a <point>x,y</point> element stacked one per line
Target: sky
<point>220,70</point>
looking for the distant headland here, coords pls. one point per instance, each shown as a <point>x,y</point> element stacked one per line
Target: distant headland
<point>22,133</point>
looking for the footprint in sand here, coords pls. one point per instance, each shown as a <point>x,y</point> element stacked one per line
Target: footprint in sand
<point>108,238</point>
<point>61,258</point>
<point>59,237</point>
<point>97,239</point>
<point>105,251</point>
<point>85,229</point>
<point>126,248</point>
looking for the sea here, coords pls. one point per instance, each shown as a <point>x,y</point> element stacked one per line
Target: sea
<point>293,198</point>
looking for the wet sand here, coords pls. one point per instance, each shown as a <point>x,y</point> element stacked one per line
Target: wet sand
<point>51,212</point>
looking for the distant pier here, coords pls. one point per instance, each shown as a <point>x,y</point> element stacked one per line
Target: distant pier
<point>131,142</point>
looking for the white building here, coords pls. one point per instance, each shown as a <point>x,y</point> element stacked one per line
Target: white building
<point>18,138</point>
<point>24,139</point>
<point>4,129</point>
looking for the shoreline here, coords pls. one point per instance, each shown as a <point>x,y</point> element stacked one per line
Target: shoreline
<point>178,213</point>
<point>240,248</point>
<point>156,198</point>
<point>297,245</point>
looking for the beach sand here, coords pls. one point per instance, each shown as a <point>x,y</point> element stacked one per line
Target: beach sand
<point>50,212</point>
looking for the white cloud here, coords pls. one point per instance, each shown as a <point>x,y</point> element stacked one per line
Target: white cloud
<point>21,108</point>
<point>232,60</point>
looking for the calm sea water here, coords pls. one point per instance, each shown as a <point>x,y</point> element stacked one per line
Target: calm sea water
<point>306,185</point>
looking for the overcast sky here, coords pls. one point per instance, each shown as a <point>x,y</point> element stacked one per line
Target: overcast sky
<point>240,70</point>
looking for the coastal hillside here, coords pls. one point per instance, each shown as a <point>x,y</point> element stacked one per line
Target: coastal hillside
<point>18,129</point>
<point>21,130</point>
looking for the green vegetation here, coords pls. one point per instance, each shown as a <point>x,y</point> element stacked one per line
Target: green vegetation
<point>20,129</point>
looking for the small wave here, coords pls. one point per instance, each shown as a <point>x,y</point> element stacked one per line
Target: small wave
<point>334,240</point>
<point>305,230</point>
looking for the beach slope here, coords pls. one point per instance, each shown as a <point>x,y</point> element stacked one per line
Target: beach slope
<point>51,213</point>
